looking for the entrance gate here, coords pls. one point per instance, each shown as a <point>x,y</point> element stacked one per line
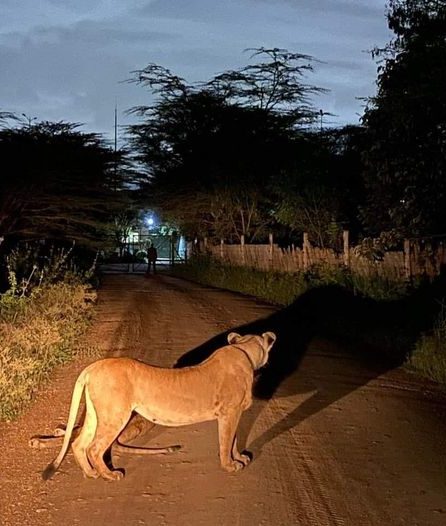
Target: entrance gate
<point>132,255</point>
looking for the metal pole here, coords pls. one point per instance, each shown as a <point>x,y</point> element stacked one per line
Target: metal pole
<point>116,127</point>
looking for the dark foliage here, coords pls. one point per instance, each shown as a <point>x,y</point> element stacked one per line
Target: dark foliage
<point>56,183</point>
<point>405,157</point>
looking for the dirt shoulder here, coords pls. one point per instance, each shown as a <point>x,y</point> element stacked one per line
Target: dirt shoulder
<point>338,444</point>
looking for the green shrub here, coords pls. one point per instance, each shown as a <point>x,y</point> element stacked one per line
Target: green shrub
<point>377,287</point>
<point>32,264</point>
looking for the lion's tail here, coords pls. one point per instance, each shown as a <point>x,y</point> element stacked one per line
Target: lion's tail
<point>74,407</point>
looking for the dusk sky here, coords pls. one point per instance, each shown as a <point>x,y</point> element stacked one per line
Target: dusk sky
<point>66,59</point>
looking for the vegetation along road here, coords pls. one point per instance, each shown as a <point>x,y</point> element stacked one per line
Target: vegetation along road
<point>335,442</point>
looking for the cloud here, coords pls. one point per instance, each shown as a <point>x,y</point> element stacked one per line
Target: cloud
<point>66,59</point>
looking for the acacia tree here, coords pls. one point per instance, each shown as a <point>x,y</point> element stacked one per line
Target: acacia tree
<point>56,182</point>
<point>405,160</point>
<point>274,83</point>
<point>211,150</point>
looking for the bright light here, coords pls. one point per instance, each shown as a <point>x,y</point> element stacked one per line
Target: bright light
<point>150,221</point>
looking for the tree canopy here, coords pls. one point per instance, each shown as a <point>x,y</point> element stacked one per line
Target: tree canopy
<point>405,153</point>
<point>321,189</point>
<point>56,182</point>
<point>211,150</point>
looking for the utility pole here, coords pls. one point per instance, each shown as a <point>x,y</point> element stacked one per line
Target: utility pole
<point>29,119</point>
<point>116,127</point>
<point>116,145</point>
<point>321,113</point>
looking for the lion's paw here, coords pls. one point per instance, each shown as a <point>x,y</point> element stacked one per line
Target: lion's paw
<point>34,442</point>
<point>117,474</point>
<point>59,431</point>
<point>233,466</point>
<point>90,474</point>
<point>244,459</point>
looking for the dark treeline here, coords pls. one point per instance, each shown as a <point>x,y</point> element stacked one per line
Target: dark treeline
<point>58,185</point>
<point>55,180</point>
<point>243,154</point>
<point>239,154</point>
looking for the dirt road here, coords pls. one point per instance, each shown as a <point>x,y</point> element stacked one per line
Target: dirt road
<point>337,444</point>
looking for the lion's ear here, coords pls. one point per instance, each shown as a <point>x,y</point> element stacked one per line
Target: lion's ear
<point>268,339</point>
<point>233,337</point>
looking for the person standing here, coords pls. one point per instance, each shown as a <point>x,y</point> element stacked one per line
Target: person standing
<point>152,256</point>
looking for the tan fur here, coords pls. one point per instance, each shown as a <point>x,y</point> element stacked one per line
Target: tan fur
<point>219,388</point>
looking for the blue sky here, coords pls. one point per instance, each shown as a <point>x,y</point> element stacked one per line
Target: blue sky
<point>66,59</point>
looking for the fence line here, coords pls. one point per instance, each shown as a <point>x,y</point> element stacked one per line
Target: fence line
<point>415,259</point>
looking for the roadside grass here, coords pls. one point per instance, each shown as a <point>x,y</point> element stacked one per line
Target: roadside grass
<point>429,355</point>
<point>38,332</point>
<point>392,319</point>
<point>282,288</point>
<point>43,315</point>
<point>274,287</point>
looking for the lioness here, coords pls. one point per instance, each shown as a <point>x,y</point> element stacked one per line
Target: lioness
<point>219,388</point>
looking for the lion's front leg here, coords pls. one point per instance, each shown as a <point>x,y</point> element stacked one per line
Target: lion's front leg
<point>230,458</point>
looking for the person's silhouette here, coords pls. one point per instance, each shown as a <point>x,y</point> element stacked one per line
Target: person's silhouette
<point>152,256</point>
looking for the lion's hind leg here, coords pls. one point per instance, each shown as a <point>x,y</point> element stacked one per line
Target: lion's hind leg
<point>106,434</point>
<point>46,441</point>
<point>85,438</point>
<point>137,426</point>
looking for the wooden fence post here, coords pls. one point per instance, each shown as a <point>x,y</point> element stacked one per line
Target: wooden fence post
<point>407,262</point>
<point>242,248</point>
<point>442,255</point>
<point>346,242</point>
<point>271,249</point>
<point>305,247</point>
<point>172,251</point>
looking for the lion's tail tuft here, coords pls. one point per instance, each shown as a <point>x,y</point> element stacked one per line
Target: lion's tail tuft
<point>49,471</point>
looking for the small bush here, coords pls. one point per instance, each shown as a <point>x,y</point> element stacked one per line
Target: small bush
<point>33,264</point>
<point>429,355</point>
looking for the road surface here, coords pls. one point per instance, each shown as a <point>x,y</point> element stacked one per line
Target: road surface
<point>336,444</point>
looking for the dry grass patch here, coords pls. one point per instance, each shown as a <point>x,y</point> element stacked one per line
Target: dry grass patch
<point>36,334</point>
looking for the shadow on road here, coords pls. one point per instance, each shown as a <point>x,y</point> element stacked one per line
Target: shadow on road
<point>376,334</point>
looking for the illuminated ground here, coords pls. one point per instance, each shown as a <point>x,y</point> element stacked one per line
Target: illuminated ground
<point>337,445</point>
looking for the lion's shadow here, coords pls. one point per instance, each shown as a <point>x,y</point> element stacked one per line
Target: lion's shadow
<point>376,334</point>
